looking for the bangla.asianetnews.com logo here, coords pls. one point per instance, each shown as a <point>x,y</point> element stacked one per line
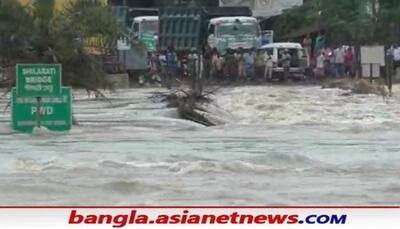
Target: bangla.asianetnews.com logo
<point>185,217</point>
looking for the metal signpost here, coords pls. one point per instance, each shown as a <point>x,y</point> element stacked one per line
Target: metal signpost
<point>39,100</point>
<point>372,59</point>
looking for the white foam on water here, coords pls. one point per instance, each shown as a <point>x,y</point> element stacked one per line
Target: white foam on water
<point>291,105</point>
<point>285,145</point>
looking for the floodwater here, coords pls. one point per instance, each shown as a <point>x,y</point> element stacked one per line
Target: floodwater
<point>282,145</point>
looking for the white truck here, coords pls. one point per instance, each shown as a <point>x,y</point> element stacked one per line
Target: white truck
<point>234,33</point>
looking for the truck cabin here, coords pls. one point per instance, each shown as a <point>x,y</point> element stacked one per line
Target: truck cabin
<point>234,26</point>
<point>234,33</point>
<point>145,25</point>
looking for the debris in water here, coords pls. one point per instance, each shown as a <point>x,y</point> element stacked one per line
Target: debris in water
<point>359,86</point>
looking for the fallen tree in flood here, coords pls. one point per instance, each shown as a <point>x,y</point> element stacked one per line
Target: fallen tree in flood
<point>196,107</point>
<point>357,86</point>
<point>187,104</point>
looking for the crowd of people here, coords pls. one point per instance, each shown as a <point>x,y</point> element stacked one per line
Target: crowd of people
<point>242,65</point>
<point>234,65</point>
<point>331,62</point>
<point>334,62</point>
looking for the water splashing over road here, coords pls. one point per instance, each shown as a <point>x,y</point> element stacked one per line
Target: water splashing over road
<point>282,145</point>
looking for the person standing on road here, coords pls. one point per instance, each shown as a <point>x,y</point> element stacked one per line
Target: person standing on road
<point>307,44</point>
<point>172,66</point>
<point>286,60</point>
<point>249,64</point>
<point>220,68</point>
<point>240,65</point>
<point>259,64</point>
<point>154,68</point>
<point>213,66</point>
<point>339,61</point>
<point>269,64</point>
<point>348,62</point>
<point>320,65</point>
<point>230,65</point>
<point>329,63</point>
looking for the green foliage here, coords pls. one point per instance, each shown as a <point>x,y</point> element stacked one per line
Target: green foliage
<point>38,34</point>
<point>346,21</point>
<point>15,22</point>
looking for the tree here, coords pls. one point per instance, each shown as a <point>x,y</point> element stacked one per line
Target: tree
<point>37,34</point>
<point>346,21</point>
<point>388,21</point>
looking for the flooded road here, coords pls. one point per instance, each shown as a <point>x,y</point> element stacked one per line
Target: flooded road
<point>287,145</point>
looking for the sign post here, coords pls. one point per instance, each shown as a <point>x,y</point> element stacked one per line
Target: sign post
<point>38,113</point>
<point>55,113</point>
<point>39,100</point>
<point>372,59</point>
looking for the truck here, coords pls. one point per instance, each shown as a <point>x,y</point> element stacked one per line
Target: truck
<point>234,33</point>
<point>217,27</point>
<point>139,41</point>
<point>183,29</point>
<point>193,31</point>
<point>144,30</point>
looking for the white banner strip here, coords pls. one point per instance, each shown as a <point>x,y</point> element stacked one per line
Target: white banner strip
<point>200,217</point>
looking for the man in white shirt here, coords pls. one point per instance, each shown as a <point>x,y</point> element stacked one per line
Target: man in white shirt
<point>339,61</point>
<point>320,66</point>
<point>268,66</point>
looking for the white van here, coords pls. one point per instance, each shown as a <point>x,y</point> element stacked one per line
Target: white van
<point>299,62</point>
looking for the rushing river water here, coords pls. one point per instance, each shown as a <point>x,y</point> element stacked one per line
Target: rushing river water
<point>283,145</point>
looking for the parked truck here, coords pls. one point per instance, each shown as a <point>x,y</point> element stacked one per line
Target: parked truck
<point>192,32</point>
<point>144,30</point>
<point>140,39</point>
<point>217,27</point>
<point>234,33</point>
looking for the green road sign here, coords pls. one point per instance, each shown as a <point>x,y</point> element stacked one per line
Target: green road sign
<point>55,112</point>
<point>38,80</point>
